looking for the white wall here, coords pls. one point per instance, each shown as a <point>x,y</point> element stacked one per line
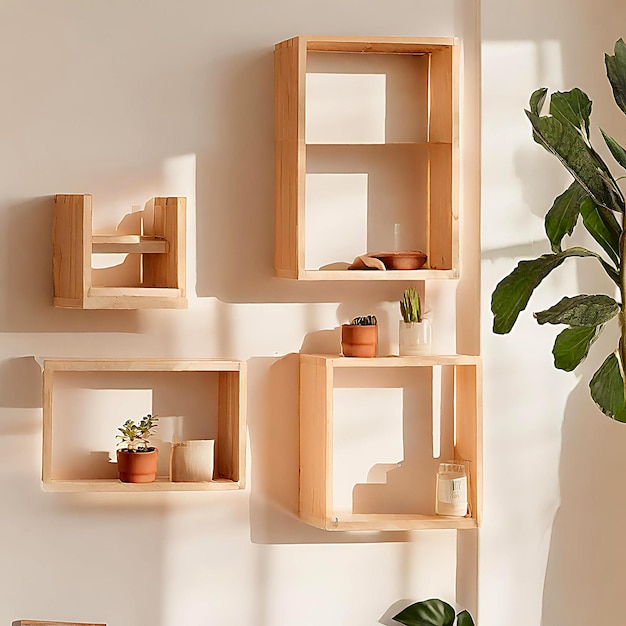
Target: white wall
<point>128,100</point>
<point>552,549</point>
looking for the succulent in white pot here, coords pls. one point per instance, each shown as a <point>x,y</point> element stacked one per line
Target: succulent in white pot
<point>415,331</point>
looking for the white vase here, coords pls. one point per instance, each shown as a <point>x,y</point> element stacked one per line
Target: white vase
<point>415,338</point>
<point>192,461</point>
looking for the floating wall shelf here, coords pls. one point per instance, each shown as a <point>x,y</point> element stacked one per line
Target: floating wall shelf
<point>366,144</point>
<point>318,374</point>
<point>72,380</point>
<point>154,276</point>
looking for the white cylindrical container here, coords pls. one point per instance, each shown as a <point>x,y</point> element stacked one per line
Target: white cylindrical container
<point>192,461</point>
<point>451,498</point>
<point>415,338</point>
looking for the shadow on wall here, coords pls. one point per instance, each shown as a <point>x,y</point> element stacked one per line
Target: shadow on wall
<point>587,556</point>
<point>20,383</point>
<point>235,196</point>
<point>27,306</point>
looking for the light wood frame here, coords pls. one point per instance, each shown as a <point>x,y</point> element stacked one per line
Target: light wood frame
<point>30,622</point>
<point>316,441</point>
<point>290,67</point>
<point>230,448</point>
<point>162,246</point>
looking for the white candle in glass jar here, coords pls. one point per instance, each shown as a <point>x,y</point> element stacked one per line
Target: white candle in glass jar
<point>451,498</point>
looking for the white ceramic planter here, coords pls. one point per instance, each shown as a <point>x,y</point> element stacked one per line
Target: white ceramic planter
<point>415,338</point>
<point>192,461</point>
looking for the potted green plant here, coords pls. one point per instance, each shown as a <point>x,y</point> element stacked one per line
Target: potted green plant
<point>594,196</point>
<point>359,338</point>
<point>136,459</point>
<point>414,331</point>
<point>433,612</point>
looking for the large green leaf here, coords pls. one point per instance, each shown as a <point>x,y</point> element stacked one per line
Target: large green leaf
<point>607,389</point>
<point>573,108</point>
<point>571,346</point>
<point>579,159</point>
<point>537,99</point>
<point>563,214</point>
<point>432,612</point>
<point>464,619</point>
<point>619,154</point>
<point>580,310</point>
<point>512,293</point>
<point>616,72</point>
<point>603,227</point>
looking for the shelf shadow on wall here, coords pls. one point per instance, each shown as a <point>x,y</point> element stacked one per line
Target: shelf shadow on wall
<point>20,383</point>
<point>235,190</point>
<point>274,435</point>
<point>27,274</point>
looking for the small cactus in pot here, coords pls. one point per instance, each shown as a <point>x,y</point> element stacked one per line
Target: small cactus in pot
<point>360,337</point>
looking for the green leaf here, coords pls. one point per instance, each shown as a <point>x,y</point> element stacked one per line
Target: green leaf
<point>573,108</point>
<point>603,227</point>
<point>563,214</point>
<point>607,389</point>
<point>464,619</point>
<point>512,293</point>
<point>616,73</point>
<point>571,346</point>
<point>619,154</point>
<point>427,613</point>
<point>580,310</point>
<point>579,159</point>
<point>537,99</point>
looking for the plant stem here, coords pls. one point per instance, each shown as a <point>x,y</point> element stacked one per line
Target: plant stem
<point>622,288</point>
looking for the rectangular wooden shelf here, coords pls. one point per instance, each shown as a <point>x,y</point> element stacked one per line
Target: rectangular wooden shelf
<point>393,522</point>
<point>128,244</point>
<point>227,376</point>
<point>159,485</point>
<point>318,373</point>
<point>421,274</point>
<point>152,276</point>
<point>419,191</point>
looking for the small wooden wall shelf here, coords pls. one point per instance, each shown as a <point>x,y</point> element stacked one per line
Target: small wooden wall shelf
<point>317,385</point>
<point>157,274</point>
<point>230,445</point>
<point>408,167</point>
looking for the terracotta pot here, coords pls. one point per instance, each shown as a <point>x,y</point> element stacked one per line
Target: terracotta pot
<point>359,341</point>
<point>401,260</point>
<point>137,467</point>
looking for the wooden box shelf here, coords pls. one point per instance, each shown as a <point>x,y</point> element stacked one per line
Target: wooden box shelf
<point>153,273</point>
<point>397,179</point>
<point>319,376</point>
<point>214,390</point>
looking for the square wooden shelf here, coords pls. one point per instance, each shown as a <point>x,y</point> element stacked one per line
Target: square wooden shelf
<point>366,155</point>
<point>318,383</point>
<point>213,390</point>
<point>152,275</point>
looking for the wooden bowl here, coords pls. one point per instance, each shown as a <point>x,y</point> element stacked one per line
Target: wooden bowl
<point>401,260</point>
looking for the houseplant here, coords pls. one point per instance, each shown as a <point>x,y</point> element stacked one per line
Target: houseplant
<point>414,328</point>
<point>359,338</point>
<point>136,459</point>
<point>594,196</point>
<point>432,612</point>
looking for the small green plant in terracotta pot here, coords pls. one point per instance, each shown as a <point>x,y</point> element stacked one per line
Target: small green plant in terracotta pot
<point>359,338</point>
<point>136,459</point>
<point>414,330</point>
